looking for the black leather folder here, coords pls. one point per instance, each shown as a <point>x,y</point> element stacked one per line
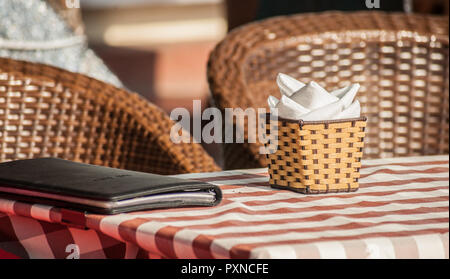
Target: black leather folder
<point>98,189</point>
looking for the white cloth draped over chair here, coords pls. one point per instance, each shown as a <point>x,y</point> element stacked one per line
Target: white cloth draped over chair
<point>48,32</point>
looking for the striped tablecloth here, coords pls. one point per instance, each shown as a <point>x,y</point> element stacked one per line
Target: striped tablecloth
<point>400,211</point>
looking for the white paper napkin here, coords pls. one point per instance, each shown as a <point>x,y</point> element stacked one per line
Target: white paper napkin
<point>311,102</point>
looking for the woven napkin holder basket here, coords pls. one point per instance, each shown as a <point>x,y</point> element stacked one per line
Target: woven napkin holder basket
<point>314,157</point>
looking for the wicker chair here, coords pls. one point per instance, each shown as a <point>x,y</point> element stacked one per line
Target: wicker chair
<point>46,111</point>
<point>400,60</point>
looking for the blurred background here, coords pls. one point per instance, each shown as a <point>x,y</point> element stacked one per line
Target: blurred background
<point>159,48</point>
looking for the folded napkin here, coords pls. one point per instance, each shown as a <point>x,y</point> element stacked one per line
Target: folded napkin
<point>311,102</point>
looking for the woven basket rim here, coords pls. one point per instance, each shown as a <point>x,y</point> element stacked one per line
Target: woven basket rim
<point>314,122</point>
<point>313,192</point>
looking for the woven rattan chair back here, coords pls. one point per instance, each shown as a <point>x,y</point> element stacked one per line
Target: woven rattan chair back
<point>400,60</point>
<point>46,111</point>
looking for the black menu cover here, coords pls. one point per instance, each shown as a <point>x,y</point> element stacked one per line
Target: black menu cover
<point>99,189</point>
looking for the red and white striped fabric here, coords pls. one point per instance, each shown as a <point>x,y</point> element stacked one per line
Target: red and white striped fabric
<point>400,211</point>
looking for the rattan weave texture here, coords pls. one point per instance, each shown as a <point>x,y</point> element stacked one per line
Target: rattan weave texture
<point>47,111</point>
<point>400,60</point>
<point>317,157</point>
